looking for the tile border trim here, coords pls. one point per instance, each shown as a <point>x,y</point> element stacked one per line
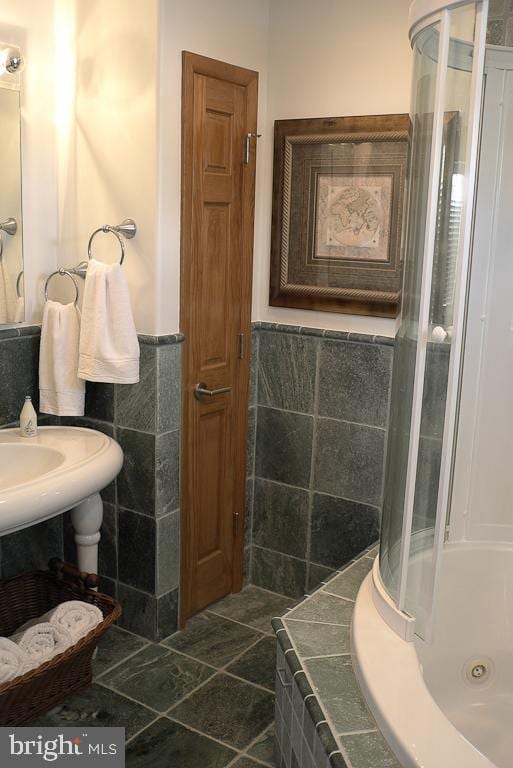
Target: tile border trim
<point>361,338</point>
<point>296,667</point>
<point>18,331</point>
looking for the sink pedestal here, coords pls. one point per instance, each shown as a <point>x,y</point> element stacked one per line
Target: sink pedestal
<point>86,519</point>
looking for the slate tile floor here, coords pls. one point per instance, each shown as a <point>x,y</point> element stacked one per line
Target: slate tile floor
<point>202,698</point>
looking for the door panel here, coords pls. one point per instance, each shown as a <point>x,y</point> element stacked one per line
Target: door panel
<point>219,109</point>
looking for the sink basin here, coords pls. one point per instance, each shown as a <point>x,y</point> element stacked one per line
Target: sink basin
<point>20,463</point>
<point>42,476</point>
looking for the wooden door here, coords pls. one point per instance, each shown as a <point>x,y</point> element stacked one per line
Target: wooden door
<point>219,110</point>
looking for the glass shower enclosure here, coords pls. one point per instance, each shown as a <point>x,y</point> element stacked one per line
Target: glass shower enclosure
<point>449,50</point>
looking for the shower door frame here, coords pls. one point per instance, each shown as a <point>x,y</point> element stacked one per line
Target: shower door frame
<point>403,622</point>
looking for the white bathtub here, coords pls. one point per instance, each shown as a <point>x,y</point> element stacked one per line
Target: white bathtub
<point>430,707</point>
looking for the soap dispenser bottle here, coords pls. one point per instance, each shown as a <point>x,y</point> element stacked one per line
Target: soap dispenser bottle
<point>28,419</point>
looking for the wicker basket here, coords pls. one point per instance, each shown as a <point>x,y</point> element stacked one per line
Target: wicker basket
<point>28,596</point>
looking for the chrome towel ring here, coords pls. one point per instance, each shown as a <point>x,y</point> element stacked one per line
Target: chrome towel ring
<point>127,228</point>
<point>63,273</point>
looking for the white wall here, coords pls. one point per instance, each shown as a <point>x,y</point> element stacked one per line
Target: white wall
<point>107,137</point>
<point>235,31</point>
<point>102,113</point>
<point>29,24</point>
<point>329,58</point>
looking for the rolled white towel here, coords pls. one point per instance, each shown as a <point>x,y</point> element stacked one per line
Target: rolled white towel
<point>11,660</point>
<point>42,641</point>
<point>75,616</point>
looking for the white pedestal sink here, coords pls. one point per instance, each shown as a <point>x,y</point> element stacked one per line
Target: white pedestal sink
<point>61,468</point>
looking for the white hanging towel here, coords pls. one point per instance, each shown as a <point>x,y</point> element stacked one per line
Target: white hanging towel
<point>109,348</point>
<point>61,392</point>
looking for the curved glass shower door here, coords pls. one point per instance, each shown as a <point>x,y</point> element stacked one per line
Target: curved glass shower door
<point>448,64</point>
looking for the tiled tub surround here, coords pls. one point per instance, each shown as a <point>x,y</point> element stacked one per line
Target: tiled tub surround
<point>139,548</point>
<point>322,720</point>
<point>318,419</point>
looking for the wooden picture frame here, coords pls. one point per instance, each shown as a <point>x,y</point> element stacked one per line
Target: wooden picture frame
<point>338,208</point>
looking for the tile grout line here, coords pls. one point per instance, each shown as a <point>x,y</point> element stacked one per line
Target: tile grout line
<point>130,698</point>
<point>320,416</point>
<point>117,664</point>
<point>314,621</point>
<point>240,623</point>
<point>313,688</point>
<point>138,733</point>
<point>313,457</point>
<point>340,597</point>
<point>321,493</point>
<point>205,735</point>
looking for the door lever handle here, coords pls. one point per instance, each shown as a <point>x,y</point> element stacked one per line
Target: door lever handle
<point>201,391</point>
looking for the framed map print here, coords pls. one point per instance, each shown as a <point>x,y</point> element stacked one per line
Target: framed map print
<point>338,195</point>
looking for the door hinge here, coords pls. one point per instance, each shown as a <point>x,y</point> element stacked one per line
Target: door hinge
<point>236,524</point>
<point>247,146</point>
<point>242,346</point>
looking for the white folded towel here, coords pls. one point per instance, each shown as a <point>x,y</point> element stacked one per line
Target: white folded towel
<point>61,392</point>
<point>109,348</point>
<point>11,660</point>
<point>74,617</point>
<point>41,642</point>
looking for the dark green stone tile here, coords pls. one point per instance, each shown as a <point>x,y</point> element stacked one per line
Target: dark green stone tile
<point>341,529</point>
<point>227,709</point>
<point>278,572</point>
<point>496,32</point>
<point>98,707</point>
<point>166,744</point>
<point>349,461</point>
<point>348,583</point>
<point>252,606</point>
<point>284,446</point>
<point>334,681</point>
<point>167,614</point>
<point>139,611</point>
<point>248,516</point>
<point>253,367</point>
<point>286,371</point>
<point>136,404</point>
<point>169,387</point>
<point>31,548</point>
<point>136,550</point>
<point>257,664</point>
<point>19,361</point>
<point>114,646</point>
<point>369,749</point>
<point>324,608</point>
<point>313,639</point>
<point>157,677</point>
<point>264,748</point>
<point>168,552</point>
<point>167,472</point>
<point>280,518</point>
<point>213,639</point>
<point>251,443</point>
<point>136,481</point>
<point>317,574</point>
<point>354,382</point>
<point>99,401</point>
<point>246,762</point>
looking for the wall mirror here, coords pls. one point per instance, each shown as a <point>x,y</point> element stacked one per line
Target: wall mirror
<point>12,305</point>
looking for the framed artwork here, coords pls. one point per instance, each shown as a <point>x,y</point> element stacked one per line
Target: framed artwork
<point>338,197</point>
